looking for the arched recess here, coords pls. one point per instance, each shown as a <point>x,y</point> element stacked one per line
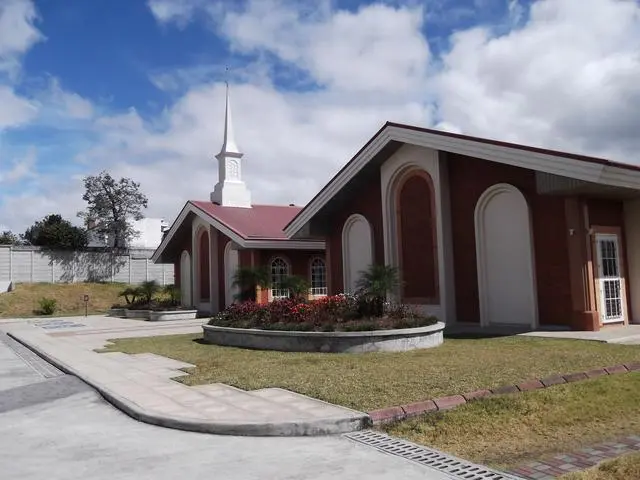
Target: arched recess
<point>416,237</point>
<point>204,275</point>
<point>230,268</point>
<point>505,259</point>
<point>357,250</point>
<point>185,279</point>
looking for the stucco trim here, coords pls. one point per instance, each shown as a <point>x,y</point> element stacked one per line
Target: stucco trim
<point>601,172</point>
<point>346,274</point>
<point>481,205</point>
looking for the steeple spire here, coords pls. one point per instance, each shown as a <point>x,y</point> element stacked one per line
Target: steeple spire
<point>229,140</point>
<point>230,191</point>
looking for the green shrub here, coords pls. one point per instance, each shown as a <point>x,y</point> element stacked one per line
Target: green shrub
<point>48,306</point>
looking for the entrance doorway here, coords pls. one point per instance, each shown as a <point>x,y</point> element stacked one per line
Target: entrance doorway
<point>609,283</point>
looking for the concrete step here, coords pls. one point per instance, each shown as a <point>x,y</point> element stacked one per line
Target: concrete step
<point>311,407</point>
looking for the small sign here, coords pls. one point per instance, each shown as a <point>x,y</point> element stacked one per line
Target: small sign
<point>86,304</point>
<point>86,298</point>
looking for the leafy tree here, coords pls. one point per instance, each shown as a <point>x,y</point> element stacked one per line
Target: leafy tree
<point>56,233</point>
<point>113,206</point>
<point>373,286</point>
<point>9,238</point>
<point>247,279</point>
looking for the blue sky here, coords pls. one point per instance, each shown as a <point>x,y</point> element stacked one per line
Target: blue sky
<point>135,87</point>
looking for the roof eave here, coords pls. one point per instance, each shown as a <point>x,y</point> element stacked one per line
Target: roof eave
<point>582,168</point>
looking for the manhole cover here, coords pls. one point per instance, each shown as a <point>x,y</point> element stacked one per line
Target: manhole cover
<point>455,467</point>
<point>56,324</point>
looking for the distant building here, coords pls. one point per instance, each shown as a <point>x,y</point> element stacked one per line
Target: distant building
<point>151,231</point>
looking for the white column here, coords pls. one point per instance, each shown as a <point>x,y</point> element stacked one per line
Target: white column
<point>632,233</point>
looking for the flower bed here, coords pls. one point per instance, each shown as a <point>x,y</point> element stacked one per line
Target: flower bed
<point>339,313</point>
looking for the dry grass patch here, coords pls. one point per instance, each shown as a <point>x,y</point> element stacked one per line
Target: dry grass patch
<point>24,300</point>
<point>375,380</point>
<point>626,467</point>
<point>506,430</point>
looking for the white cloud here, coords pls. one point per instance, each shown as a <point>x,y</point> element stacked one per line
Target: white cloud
<point>566,79</point>
<point>14,110</point>
<point>17,32</point>
<point>563,76</point>
<point>20,169</point>
<point>178,11</point>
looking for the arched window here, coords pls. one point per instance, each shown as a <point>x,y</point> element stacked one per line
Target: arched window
<point>318,277</point>
<point>279,270</point>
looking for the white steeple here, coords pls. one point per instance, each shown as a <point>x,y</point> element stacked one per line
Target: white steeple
<point>230,191</point>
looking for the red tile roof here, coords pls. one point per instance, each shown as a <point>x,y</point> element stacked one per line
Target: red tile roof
<point>264,222</point>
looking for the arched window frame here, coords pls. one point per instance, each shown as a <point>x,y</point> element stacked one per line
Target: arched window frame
<point>318,277</point>
<point>279,268</point>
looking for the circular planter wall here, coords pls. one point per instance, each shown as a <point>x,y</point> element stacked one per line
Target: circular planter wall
<point>354,342</point>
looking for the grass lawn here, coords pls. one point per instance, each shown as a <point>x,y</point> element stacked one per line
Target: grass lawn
<point>509,429</point>
<point>626,467</point>
<point>375,380</point>
<point>22,301</point>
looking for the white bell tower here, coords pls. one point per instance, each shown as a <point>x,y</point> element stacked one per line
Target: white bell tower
<point>230,191</point>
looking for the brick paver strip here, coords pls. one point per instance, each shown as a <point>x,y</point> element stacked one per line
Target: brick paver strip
<point>553,380</point>
<point>530,385</point>
<point>616,369</point>
<point>445,403</point>
<point>596,372</point>
<point>633,367</point>
<point>476,394</point>
<point>387,414</point>
<point>418,408</point>
<point>560,464</point>
<point>505,389</point>
<point>575,377</point>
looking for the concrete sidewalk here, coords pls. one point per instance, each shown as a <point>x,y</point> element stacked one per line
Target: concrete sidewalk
<point>626,335</point>
<point>141,385</point>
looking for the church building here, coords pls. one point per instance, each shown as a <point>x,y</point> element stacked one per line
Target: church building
<point>211,239</point>
<point>481,231</point>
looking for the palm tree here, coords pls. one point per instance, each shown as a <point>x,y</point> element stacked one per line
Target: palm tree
<point>248,279</point>
<point>373,286</point>
<point>149,289</point>
<point>298,287</point>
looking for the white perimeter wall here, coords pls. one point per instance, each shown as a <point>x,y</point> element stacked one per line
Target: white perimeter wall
<point>31,264</point>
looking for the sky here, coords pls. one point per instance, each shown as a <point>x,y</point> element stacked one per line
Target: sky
<point>136,88</point>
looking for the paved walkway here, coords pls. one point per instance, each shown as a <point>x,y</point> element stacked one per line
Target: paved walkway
<point>142,385</point>
<point>53,425</point>
<point>557,465</point>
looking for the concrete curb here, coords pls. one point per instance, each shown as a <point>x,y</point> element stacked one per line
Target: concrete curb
<point>315,427</point>
<point>403,412</point>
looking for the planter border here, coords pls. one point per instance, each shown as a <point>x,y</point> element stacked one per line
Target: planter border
<point>312,341</point>
<point>155,315</point>
<point>403,412</point>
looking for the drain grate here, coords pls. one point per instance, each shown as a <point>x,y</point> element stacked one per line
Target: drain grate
<point>44,368</point>
<point>455,467</point>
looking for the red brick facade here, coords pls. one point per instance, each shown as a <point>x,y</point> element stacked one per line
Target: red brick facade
<point>417,239</point>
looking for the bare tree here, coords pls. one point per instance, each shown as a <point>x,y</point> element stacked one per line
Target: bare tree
<point>112,207</point>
